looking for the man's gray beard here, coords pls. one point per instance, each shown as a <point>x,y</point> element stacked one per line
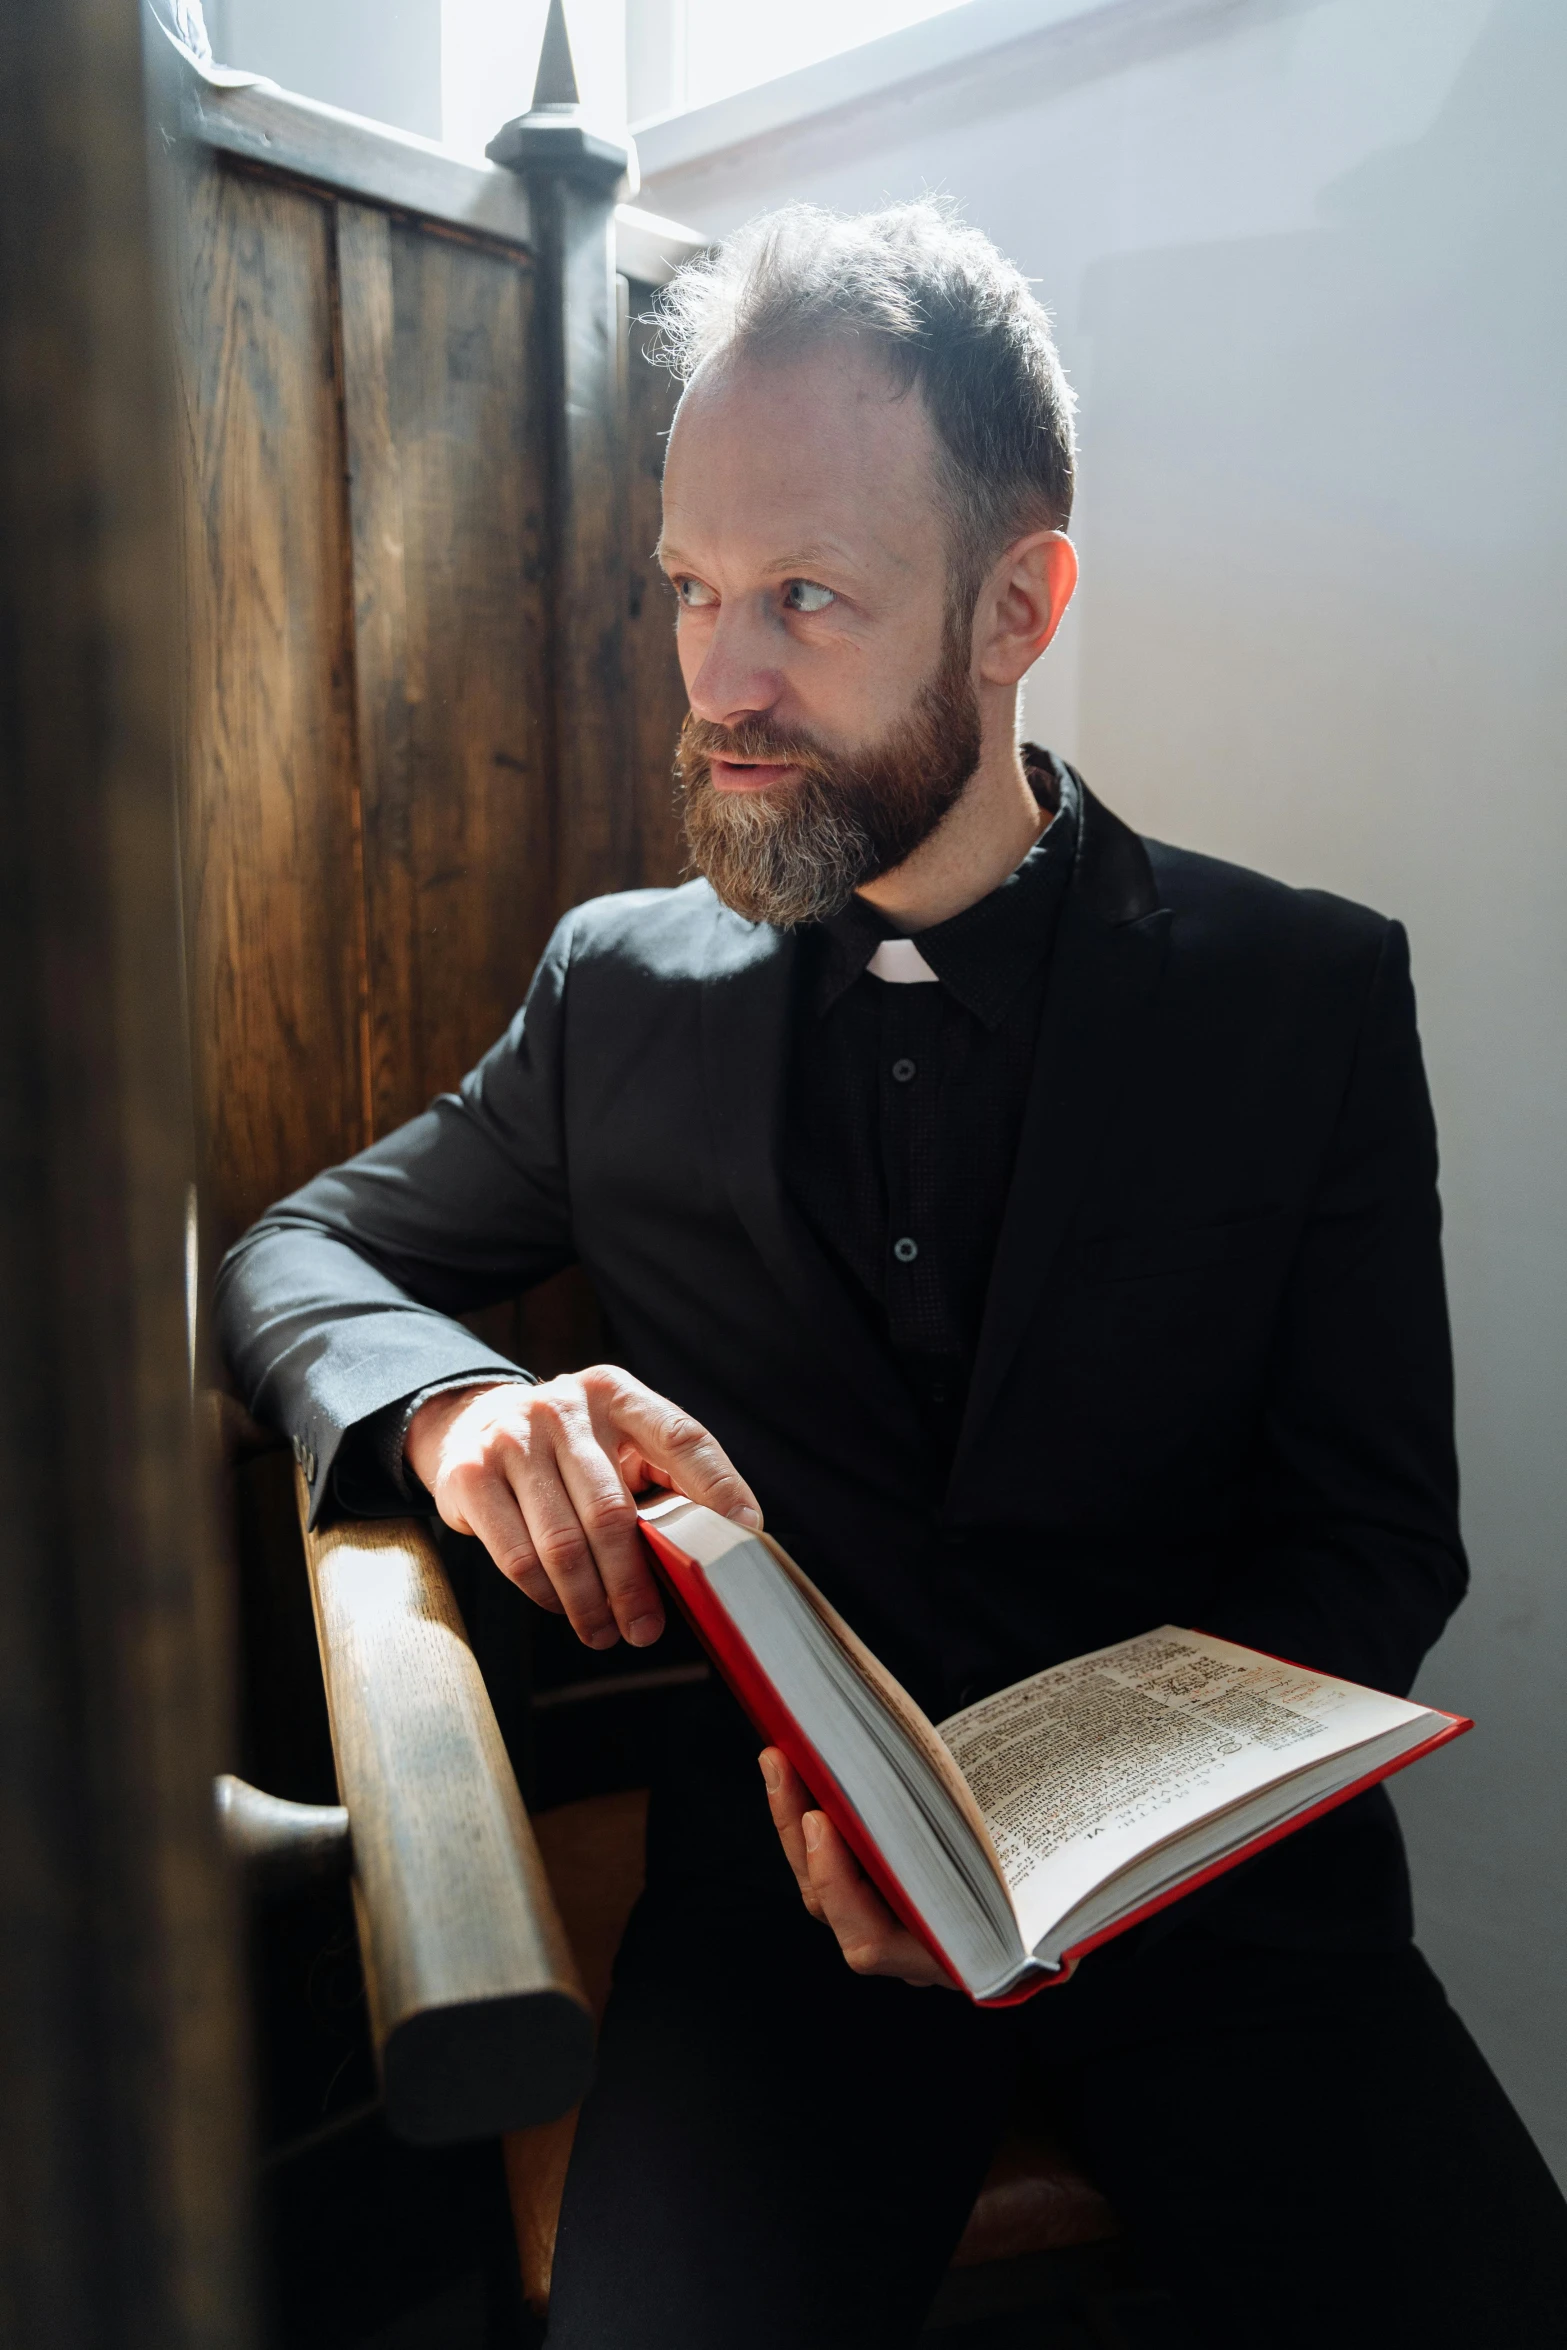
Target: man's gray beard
<point>798,855</point>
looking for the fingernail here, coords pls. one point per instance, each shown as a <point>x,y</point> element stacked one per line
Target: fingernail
<point>642,1631</point>
<point>746,1516</point>
<point>605,1637</point>
<point>811,1828</point>
<point>771,1773</point>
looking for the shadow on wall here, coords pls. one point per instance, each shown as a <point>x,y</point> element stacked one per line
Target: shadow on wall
<point>1346,625</point>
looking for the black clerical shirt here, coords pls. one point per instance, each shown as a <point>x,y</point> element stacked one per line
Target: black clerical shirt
<point>905,1106</point>
<point>906,1101</point>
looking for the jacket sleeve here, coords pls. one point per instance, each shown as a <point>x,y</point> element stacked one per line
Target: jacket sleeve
<point>341,1300</point>
<point>1352,1555</point>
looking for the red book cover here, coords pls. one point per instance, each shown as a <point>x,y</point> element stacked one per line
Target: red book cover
<point>734,1659</point>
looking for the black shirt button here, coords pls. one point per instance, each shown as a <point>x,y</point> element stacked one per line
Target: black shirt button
<point>903,1070</point>
<point>905,1250</point>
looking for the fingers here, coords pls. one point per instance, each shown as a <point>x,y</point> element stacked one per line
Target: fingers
<point>544,1475</point>
<point>675,1448</point>
<point>835,1888</point>
<point>636,1471</point>
<point>870,1937</point>
<point>788,1800</point>
<point>583,1524</point>
<point>492,1514</point>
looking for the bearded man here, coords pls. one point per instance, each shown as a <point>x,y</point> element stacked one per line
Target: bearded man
<point>1040,1225</point>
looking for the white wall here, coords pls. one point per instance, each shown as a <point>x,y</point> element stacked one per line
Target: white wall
<point>375,57</point>
<point>453,70</point>
<point>1307,265</point>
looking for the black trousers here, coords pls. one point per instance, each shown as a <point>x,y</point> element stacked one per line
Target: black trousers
<point>780,2155</point>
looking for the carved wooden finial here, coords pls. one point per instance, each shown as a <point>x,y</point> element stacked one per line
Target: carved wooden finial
<point>553,137</point>
<point>555,83</point>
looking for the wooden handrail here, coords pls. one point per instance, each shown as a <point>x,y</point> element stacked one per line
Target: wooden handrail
<point>479,2019</point>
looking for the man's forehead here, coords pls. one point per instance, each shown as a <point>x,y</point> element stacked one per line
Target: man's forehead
<point>812,462</point>
<point>833,398</point>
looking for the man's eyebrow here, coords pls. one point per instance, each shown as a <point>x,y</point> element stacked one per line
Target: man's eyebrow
<point>801,560</point>
<point>824,553</point>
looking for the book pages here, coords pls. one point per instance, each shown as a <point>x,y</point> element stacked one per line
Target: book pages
<point>1090,1765</point>
<point>910,1718</point>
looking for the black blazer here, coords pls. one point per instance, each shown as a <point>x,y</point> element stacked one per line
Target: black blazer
<point>1213,1383</point>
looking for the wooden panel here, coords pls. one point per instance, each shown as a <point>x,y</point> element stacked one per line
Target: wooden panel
<point>584,393</point>
<point>658,695</point>
<point>447,500</point>
<point>123,2165</point>
<point>273,894</point>
<point>281,132</point>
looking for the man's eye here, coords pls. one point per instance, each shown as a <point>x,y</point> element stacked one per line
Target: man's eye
<point>694,593</point>
<point>807,595</point>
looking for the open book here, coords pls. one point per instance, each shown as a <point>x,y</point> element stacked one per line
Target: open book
<point>1022,1832</point>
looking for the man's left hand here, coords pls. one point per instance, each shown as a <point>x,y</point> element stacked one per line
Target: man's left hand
<point>836,1889</point>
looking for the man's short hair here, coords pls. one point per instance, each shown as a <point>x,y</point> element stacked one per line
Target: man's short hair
<point>942,308</point>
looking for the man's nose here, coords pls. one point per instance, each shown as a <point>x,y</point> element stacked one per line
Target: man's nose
<point>735,679</point>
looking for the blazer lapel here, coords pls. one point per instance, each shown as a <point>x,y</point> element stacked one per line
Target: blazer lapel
<point>1106,966</point>
<point>746,1003</point>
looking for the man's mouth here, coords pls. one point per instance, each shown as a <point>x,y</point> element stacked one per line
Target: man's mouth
<point>749,774</point>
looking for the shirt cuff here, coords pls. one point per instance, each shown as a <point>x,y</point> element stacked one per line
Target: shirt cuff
<point>371,1477</point>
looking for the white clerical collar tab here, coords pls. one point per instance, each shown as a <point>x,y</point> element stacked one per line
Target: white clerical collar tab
<point>900,960</point>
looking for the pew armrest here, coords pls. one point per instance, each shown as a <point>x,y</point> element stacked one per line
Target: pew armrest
<point>478,2016</point>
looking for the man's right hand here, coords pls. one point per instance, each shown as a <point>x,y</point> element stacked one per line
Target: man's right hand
<point>544,1477</point>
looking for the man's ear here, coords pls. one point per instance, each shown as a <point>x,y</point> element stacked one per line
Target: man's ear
<point>1021,604</point>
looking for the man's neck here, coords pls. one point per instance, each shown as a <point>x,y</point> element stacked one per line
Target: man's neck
<point>982,838</point>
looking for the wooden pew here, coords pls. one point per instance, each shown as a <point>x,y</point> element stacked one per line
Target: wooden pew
<point>387,801</point>
<point>432,701</point>
<point>123,2110</point>
<point>422,672</point>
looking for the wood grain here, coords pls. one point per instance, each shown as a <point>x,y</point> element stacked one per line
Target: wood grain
<point>411,741</point>
<point>273,898</point>
<point>447,492</point>
<point>479,2018</point>
<point>375,163</point>
<point>279,1846</point>
<point>124,2175</point>
<point>595,1854</point>
<point>372,161</point>
<point>657,690</point>
<point>583,402</point>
